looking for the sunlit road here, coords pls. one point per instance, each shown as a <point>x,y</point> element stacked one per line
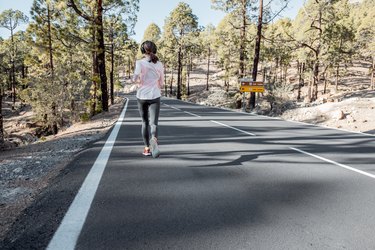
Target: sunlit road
<point>224,180</point>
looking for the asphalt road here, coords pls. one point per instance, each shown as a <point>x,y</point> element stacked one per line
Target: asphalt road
<point>224,180</point>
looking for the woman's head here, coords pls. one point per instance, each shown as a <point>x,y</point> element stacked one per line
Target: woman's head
<point>149,48</point>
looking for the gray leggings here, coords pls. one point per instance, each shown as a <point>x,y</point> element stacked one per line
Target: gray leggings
<point>149,111</point>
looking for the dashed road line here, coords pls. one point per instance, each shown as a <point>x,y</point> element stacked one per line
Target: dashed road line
<point>240,130</point>
<point>189,113</point>
<point>175,108</point>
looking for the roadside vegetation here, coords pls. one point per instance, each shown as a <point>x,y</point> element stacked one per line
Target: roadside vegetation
<point>74,55</point>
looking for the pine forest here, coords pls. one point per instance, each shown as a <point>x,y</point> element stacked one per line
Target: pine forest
<point>75,55</point>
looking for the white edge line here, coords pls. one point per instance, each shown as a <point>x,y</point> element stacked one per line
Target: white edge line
<point>335,163</point>
<point>66,236</point>
<point>225,125</point>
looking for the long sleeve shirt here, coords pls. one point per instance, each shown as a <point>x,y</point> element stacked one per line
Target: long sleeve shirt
<point>151,78</point>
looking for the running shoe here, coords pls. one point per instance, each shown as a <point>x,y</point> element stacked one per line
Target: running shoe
<point>154,147</point>
<point>146,152</point>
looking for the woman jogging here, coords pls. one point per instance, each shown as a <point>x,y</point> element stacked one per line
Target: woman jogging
<point>149,73</point>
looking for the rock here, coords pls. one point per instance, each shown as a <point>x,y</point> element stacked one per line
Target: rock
<point>338,115</point>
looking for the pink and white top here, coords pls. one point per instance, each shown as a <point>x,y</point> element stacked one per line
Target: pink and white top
<point>151,76</point>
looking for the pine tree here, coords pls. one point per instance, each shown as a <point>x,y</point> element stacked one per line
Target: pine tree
<point>11,19</point>
<point>116,35</point>
<point>241,9</point>
<point>208,37</point>
<point>226,44</point>
<point>42,62</point>
<point>363,15</point>
<point>179,24</point>
<point>152,33</point>
<point>2,80</point>
<point>114,7</point>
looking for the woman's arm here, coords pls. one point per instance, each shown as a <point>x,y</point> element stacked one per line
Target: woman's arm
<point>137,73</point>
<point>161,78</point>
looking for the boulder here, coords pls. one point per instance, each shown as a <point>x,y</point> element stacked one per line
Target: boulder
<point>338,115</point>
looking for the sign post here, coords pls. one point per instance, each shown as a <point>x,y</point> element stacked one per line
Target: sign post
<point>248,85</point>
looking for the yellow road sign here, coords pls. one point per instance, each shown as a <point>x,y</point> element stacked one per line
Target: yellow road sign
<point>251,86</point>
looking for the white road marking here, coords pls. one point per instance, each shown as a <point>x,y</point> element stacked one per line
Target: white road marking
<point>191,114</point>
<point>335,163</point>
<point>225,125</point>
<point>66,236</point>
<point>182,110</point>
<point>175,108</point>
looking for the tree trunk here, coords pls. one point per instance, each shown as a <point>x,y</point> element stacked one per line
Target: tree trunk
<point>94,73</point>
<point>13,85</point>
<point>50,51</point>
<point>165,79</point>
<point>129,69</point>
<point>373,73</point>
<point>276,71</point>
<point>1,120</point>
<point>208,66</point>
<point>299,70</point>
<point>309,89</point>
<point>281,73</point>
<point>188,78</point>
<point>23,74</point>
<point>314,95</point>
<point>325,83</point>
<point>111,74</point>
<point>317,58</point>
<point>179,73</point>
<point>257,53</point>
<point>226,80</point>
<point>171,83</point>
<point>54,129</point>
<point>9,85</point>
<point>101,55</point>
<point>13,70</point>
<point>337,76</point>
<point>243,40</point>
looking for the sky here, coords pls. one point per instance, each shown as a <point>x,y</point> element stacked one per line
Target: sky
<point>154,11</point>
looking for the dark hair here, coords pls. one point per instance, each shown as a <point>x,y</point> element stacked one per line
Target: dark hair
<point>149,48</point>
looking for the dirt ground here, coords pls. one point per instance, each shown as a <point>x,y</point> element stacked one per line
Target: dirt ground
<point>28,169</point>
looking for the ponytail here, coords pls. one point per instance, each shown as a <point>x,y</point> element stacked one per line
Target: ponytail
<point>149,48</point>
<point>153,58</point>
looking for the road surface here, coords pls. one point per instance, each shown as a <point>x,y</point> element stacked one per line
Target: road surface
<point>224,180</point>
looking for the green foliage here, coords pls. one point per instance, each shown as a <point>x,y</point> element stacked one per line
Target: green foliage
<point>152,33</point>
<point>11,19</point>
<point>181,21</point>
<point>226,42</point>
<point>181,26</point>
<point>60,47</point>
<point>363,16</point>
<point>85,117</point>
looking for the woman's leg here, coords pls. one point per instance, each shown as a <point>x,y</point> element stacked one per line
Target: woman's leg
<point>154,116</point>
<point>143,107</point>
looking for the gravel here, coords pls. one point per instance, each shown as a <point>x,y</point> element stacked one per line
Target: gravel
<point>25,171</point>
